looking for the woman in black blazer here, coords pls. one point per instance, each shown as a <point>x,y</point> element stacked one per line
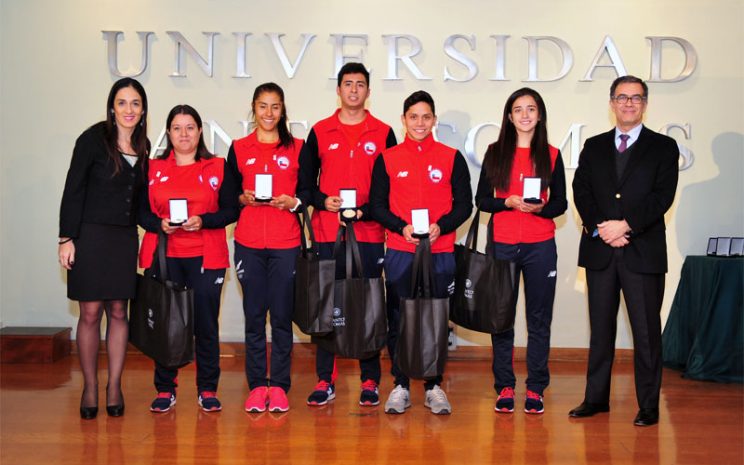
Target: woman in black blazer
<point>98,239</point>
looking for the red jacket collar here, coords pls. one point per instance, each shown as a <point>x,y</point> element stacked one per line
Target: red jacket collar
<point>369,121</point>
<point>416,147</point>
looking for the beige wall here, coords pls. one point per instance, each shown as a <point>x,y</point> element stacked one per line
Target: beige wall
<point>54,81</point>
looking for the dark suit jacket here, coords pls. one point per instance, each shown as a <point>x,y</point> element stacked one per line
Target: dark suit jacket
<point>641,196</point>
<point>93,194</point>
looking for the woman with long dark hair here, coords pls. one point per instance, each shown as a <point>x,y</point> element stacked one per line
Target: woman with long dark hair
<point>524,232</point>
<point>98,235</point>
<point>267,240</point>
<point>196,254</point>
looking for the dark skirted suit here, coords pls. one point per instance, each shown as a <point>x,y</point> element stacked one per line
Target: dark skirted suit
<point>638,186</point>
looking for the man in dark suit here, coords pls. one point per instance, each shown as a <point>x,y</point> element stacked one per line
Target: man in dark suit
<point>625,182</point>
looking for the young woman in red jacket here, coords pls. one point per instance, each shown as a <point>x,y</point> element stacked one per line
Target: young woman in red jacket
<point>524,232</point>
<point>267,241</point>
<point>197,253</point>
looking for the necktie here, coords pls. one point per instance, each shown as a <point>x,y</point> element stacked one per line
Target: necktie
<point>623,143</point>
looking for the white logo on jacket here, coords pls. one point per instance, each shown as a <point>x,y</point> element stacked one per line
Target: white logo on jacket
<point>402,174</point>
<point>370,148</point>
<point>435,175</point>
<point>250,161</point>
<point>214,182</point>
<point>283,162</point>
<point>333,146</point>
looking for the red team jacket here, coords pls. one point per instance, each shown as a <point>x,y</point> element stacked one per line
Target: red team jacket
<point>418,181</point>
<point>266,227</point>
<point>199,184</point>
<point>512,226</point>
<point>343,166</point>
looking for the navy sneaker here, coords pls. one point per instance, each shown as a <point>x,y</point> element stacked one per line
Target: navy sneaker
<point>208,401</point>
<point>370,395</point>
<point>505,401</point>
<point>163,402</point>
<point>533,403</point>
<point>324,392</point>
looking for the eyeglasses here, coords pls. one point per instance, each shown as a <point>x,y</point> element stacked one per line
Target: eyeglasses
<point>623,99</point>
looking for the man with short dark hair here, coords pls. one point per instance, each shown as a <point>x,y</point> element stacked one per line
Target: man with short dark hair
<point>339,154</point>
<point>419,173</point>
<point>625,182</point>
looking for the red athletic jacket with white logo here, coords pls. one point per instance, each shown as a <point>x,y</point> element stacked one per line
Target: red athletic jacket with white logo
<point>424,174</point>
<point>328,152</point>
<point>513,226</point>
<point>203,184</point>
<point>266,227</point>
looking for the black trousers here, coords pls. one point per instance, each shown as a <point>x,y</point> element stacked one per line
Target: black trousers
<point>266,277</point>
<point>536,263</point>
<point>643,293</point>
<point>207,285</point>
<point>372,255</point>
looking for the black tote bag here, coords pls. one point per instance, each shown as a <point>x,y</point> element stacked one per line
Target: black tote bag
<point>161,322</point>
<point>313,292</point>
<point>484,298</point>
<point>421,352</point>
<point>359,313</point>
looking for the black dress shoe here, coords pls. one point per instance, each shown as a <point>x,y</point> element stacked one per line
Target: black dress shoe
<point>115,410</point>
<point>647,417</point>
<point>88,413</point>
<point>587,409</point>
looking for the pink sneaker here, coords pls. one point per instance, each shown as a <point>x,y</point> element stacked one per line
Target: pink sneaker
<point>257,400</point>
<point>278,401</point>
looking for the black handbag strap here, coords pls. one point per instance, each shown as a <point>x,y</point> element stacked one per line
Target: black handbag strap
<point>337,243</point>
<point>352,252</point>
<point>160,253</point>
<point>304,219</point>
<point>422,268</point>
<point>471,240</point>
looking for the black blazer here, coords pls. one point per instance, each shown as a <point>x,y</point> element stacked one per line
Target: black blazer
<point>92,193</point>
<point>641,196</point>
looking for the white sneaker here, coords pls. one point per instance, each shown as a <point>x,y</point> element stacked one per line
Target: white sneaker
<point>398,401</point>
<point>437,401</point>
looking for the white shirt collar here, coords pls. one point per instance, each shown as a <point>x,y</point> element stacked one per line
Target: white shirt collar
<point>633,133</point>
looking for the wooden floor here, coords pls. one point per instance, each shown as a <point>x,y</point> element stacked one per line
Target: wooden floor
<point>701,423</point>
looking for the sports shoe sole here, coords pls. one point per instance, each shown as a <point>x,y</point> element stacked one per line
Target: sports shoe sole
<point>255,410</point>
<point>396,411</point>
<point>443,411</point>
<point>278,409</point>
<point>534,412</point>
<point>369,404</point>
<point>163,410</point>
<point>504,410</point>
<point>318,404</point>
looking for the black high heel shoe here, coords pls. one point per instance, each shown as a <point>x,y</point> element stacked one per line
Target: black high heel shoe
<point>115,410</point>
<point>87,413</point>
